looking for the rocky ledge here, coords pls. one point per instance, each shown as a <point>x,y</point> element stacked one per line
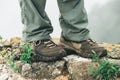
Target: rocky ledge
<point>72,67</point>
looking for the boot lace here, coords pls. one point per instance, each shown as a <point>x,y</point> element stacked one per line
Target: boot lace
<point>47,43</point>
<point>50,44</point>
<point>91,42</point>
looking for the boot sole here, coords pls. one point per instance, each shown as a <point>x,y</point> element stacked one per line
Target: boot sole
<point>38,57</point>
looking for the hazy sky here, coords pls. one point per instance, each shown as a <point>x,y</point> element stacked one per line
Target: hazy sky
<point>10,19</point>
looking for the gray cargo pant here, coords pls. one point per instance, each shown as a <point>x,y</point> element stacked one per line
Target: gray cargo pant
<point>73,20</point>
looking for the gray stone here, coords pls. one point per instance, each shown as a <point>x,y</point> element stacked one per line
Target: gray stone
<point>79,68</point>
<point>4,77</point>
<point>43,70</point>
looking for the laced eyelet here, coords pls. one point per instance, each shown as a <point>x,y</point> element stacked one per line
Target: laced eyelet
<point>92,42</point>
<point>37,43</point>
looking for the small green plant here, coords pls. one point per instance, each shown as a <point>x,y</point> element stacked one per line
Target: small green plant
<point>8,59</point>
<point>0,37</point>
<point>7,55</point>
<point>26,54</point>
<point>95,58</point>
<point>72,75</point>
<point>13,66</point>
<point>105,71</point>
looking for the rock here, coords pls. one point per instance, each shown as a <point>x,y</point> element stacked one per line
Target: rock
<point>113,50</point>
<point>72,67</point>
<point>7,74</point>
<point>6,43</point>
<point>115,61</point>
<point>79,68</point>
<point>63,77</point>
<point>43,70</point>
<point>16,77</point>
<point>4,77</point>
<point>15,42</point>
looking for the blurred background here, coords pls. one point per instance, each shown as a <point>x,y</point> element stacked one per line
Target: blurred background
<point>103,15</point>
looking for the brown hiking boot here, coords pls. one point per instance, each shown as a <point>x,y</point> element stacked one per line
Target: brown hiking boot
<point>86,49</point>
<point>45,51</point>
<point>48,51</point>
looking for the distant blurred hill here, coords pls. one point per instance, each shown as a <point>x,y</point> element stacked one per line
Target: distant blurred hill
<point>104,22</point>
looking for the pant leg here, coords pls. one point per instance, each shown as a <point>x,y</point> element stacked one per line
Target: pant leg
<point>37,24</point>
<point>73,20</point>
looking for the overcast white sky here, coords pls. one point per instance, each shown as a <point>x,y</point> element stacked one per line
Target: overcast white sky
<point>10,19</point>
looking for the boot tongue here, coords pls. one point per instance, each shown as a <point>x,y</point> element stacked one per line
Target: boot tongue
<point>76,45</point>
